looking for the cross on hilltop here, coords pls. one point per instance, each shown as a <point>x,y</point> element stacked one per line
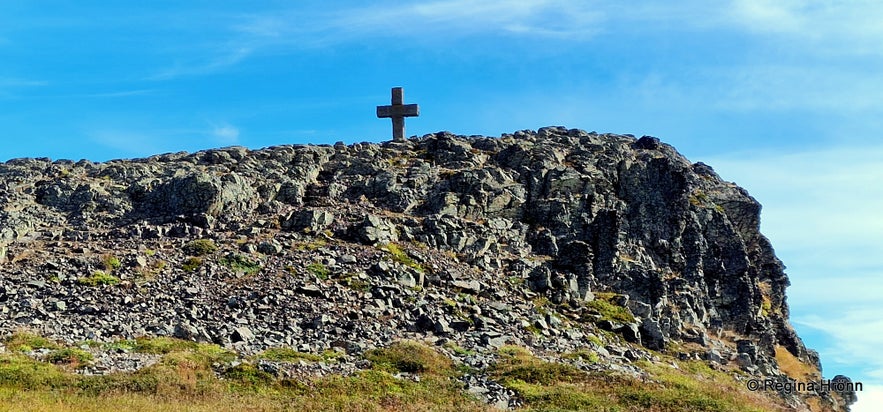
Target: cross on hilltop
<point>397,111</point>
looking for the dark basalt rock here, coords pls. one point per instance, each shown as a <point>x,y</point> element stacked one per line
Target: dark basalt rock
<point>553,219</point>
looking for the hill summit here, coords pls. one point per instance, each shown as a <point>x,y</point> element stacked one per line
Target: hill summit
<point>614,258</point>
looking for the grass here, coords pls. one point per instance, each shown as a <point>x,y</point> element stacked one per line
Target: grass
<point>183,380</point>
<point>191,264</point>
<point>609,311</point>
<point>240,263</point>
<point>318,269</point>
<point>98,278</point>
<point>583,354</point>
<point>794,367</point>
<point>693,386</point>
<point>161,345</point>
<point>398,255</point>
<point>200,247</point>
<point>311,245</point>
<point>24,341</point>
<point>69,356</point>
<point>412,357</point>
<point>353,282</point>
<point>110,262</point>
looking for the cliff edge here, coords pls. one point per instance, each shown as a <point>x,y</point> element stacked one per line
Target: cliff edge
<point>556,241</point>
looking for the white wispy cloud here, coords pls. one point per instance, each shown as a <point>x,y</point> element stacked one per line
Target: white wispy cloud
<point>853,26</point>
<point>225,134</point>
<point>209,61</point>
<point>451,18</point>
<point>126,142</point>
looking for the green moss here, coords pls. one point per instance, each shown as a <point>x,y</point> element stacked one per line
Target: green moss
<point>191,264</point>
<point>583,354</point>
<point>71,356</point>
<point>766,305</point>
<point>698,198</point>
<point>200,247</point>
<point>399,255</point>
<point>459,350</point>
<point>311,245</point>
<point>204,352</point>
<point>319,270</point>
<point>98,278</point>
<point>240,263</point>
<point>110,262</point>
<point>353,282</point>
<point>411,357</point>
<point>247,375</point>
<point>20,371</point>
<point>608,311</point>
<point>519,365</point>
<point>22,341</point>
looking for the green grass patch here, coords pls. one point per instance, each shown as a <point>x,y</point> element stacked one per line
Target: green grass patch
<point>23,341</point>
<point>318,269</point>
<point>583,354</point>
<point>694,386</point>
<point>98,278</point>
<point>353,282</point>
<point>412,357</point>
<point>603,306</point>
<point>110,262</point>
<point>311,245</point>
<point>204,352</point>
<point>200,247</point>
<point>69,356</point>
<point>191,264</point>
<point>398,255</point>
<point>246,375</point>
<point>240,263</point>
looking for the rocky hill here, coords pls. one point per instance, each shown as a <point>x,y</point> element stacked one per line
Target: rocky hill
<point>557,241</point>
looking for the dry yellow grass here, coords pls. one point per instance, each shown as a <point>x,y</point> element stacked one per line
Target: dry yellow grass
<point>793,367</point>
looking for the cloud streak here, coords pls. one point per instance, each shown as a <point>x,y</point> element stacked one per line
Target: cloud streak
<point>225,134</point>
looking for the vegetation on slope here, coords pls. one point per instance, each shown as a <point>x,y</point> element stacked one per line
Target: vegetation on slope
<point>405,376</point>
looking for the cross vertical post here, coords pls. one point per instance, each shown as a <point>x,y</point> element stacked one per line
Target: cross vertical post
<point>397,111</point>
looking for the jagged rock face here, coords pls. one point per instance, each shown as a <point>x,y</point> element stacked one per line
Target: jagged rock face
<point>569,212</point>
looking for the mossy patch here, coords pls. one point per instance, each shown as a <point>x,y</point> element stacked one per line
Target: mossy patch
<point>240,263</point>
<point>412,357</point>
<point>69,356</point>
<point>398,255</point>
<point>319,270</point>
<point>191,264</point>
<point>603,305</point>
<point>23,341</point>
<point>98,278</point>
<point>200,247</point>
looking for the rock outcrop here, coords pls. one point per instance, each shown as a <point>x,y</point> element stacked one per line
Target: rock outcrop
<point>481,241</point>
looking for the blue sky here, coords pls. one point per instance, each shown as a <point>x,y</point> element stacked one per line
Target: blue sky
<point>782,97</point>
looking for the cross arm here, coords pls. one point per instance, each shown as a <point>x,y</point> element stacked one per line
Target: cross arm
<point>398,110</point>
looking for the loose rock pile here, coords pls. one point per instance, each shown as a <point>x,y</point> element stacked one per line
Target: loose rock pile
<point>558,240</point>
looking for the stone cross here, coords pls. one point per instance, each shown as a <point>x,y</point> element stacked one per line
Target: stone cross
<point>398,111</point>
